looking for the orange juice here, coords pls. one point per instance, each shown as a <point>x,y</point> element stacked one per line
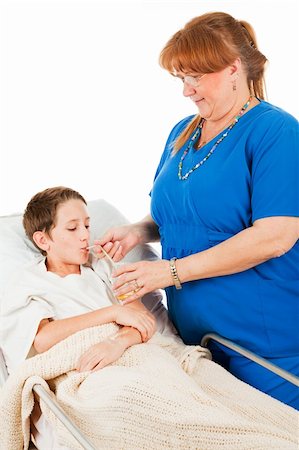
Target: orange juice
<point>124,296</point>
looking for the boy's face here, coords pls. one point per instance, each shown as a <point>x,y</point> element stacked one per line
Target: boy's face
<point>70,237</point>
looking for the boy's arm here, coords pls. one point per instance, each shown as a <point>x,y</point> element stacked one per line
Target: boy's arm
<point>136,315</point>
<point>108,351</point>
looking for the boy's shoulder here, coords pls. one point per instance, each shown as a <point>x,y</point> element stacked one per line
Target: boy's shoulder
<point>24,271</point>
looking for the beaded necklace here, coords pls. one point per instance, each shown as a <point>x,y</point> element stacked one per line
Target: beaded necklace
<point>200,163</point>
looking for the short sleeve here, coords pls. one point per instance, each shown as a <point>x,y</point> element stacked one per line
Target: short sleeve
<point>275,169</point>
<point>20,316</point>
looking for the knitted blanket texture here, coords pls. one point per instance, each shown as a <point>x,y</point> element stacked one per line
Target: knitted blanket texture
<point>158,395</point>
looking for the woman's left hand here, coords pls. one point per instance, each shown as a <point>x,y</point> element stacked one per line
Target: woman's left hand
<point>100,355</point>
<point>145,276</point>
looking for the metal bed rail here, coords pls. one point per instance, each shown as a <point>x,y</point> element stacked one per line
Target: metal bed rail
<point>62,416</point>
<point>252,356</point>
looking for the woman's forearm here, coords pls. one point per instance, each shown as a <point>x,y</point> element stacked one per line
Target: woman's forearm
<point>243,251</point>
<point>147,230</point>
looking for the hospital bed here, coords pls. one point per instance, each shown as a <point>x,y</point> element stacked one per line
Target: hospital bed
<point>16,250</point>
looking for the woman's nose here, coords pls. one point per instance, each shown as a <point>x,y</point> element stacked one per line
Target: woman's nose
<point>188,89</point>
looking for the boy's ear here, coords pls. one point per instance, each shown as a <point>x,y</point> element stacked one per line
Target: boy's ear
<point>41,240</point>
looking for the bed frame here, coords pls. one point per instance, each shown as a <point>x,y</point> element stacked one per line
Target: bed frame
<point>250,355</point>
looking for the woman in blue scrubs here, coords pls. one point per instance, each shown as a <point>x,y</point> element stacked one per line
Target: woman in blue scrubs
<point>225,206</point>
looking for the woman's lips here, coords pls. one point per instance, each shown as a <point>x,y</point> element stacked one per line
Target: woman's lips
<point>198,100</point>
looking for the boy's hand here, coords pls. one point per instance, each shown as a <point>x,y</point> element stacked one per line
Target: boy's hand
<point>101,355</point>
<point>142,320</point>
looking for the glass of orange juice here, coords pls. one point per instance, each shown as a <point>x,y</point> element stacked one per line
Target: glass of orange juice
<point>122,297</point>
<point>96,251</point>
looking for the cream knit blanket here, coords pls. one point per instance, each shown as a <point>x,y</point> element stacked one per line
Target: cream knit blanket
<point>145,400</point>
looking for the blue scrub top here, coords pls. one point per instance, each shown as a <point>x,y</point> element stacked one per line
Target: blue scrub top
<point>253,173</point>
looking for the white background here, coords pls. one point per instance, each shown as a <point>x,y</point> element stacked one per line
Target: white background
<point>85,104</point>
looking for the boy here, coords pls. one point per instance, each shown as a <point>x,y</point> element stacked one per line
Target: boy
<point>63,293</point>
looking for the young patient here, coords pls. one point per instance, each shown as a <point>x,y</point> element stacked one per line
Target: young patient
<point>63,293</point>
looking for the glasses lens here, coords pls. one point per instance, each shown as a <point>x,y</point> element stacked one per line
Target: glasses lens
<point>191,80</point>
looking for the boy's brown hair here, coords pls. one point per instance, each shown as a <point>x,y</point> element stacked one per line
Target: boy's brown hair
<point>40,213</point>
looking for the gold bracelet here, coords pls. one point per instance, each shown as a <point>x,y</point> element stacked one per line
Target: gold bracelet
<point>174,273</point>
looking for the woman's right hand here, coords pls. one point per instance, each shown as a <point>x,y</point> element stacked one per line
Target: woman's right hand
<point>118,241</point>
<point>142,320</point>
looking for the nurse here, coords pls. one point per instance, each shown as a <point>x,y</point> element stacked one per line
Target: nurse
<point>225,207</point>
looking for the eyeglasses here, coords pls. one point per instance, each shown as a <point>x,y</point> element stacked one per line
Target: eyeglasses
<point>189,79</point>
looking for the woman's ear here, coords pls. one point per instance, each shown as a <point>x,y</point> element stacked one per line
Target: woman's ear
<point>41,240</point>
<point>234,72</point>
<point>235,67</point>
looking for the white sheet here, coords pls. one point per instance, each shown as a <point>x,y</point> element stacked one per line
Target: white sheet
<point>44,436</point>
